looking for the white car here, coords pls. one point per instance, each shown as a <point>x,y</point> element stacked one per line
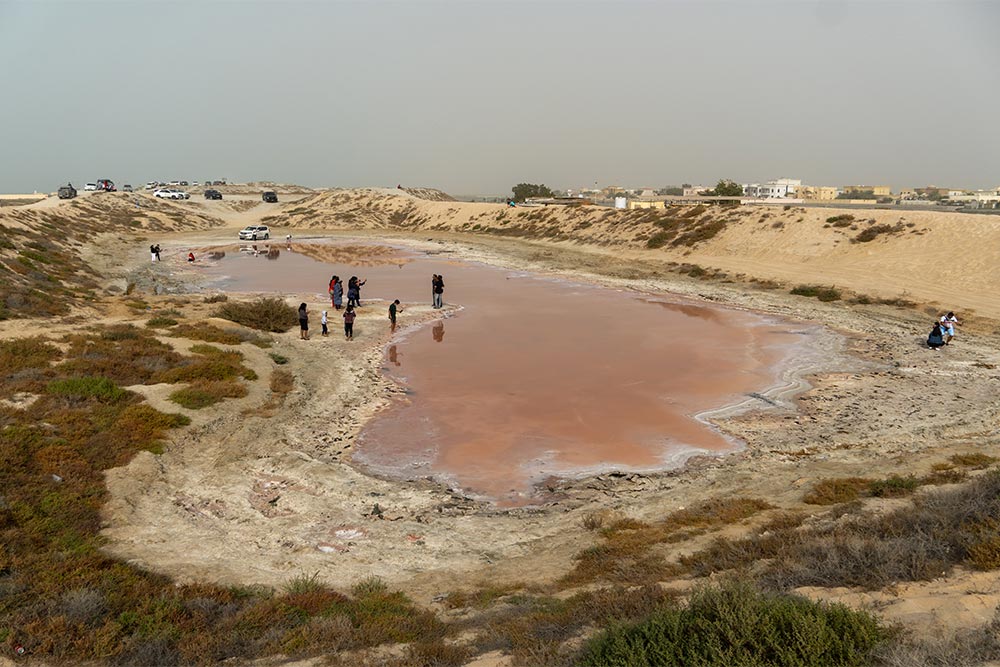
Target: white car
<point>90,186</point>
<point>255,233</point>
<point>167,193</point>
<point>152,185</point>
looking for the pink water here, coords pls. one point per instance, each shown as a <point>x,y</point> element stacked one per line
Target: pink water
<point>537,376</point>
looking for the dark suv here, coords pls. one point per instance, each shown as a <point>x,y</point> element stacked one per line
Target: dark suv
<point>213,194</point>
<point>270,197</point>
<point>67,192</point>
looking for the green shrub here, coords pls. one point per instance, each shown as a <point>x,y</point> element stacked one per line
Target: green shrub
<point>844,219</point>
<point>279,359</point>
<point>894,487</point>
<point>738,625</point>
<point>834,491</point>
<point>161,322</point>
<point>102,389</point>
<point>204,393</point>
<point>658,240</point>
<point>821,293</point>
<point>265,314</point>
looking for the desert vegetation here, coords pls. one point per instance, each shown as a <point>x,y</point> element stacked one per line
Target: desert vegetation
<point>265,314</point>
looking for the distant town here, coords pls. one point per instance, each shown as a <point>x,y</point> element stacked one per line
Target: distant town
<point>788,191</point>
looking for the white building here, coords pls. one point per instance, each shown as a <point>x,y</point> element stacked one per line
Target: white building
<point>777,189</point>
<point>694,190</point>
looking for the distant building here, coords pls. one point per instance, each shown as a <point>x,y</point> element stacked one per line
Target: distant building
<point>777,189</point>
<point>694,190</point>
<point>877,190</point>
<point>611,190</point>
<point>821,192</point>
<point>645,203</point>
<point>907,193</point>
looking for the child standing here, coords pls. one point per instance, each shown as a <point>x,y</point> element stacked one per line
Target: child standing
<point>324,321</point>
<point>349,316</point>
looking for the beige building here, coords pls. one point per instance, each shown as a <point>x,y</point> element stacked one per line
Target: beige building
<point>641,203</point>
<point>824,192</point>
<point>877,190</point>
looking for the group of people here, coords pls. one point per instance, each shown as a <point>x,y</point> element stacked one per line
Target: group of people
<point>336,291</point>
<point>349,317</point>
<point>154,253</point>
<point>943,331</point>
<point>335,288</point>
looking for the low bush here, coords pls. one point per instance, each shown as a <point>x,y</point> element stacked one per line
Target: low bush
<point>871,233</point>
<point>102,389</point>
<point>821,293</point>
<point>845,218</point>
<point>265,314</point>
<point>624,555</point>
<point>975,460</point>
<point>658,240</point>
<point>18,354</point>
<point>941,529</point>
<point>279,359</point>
<point>216,298</point>
<point>834,491</point>
<point>736,624</point>
<point>203,393</point>
<point>894,486</point>
<point>161,322</point>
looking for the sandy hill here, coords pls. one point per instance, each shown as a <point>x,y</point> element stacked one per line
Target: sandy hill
<point>944,258</point>
<point>42,271</point>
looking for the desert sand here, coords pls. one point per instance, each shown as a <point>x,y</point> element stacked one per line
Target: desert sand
<point>253,495</point>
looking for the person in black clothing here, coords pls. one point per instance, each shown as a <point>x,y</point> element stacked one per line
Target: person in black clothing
<point>349,316</point>
<point>303,322</point>
<point>936,338</point>
<point>393,308</point>
<point>156,250</point>
<point>437,287</point>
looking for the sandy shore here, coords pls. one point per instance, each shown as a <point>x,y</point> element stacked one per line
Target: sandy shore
<point>248,497</point>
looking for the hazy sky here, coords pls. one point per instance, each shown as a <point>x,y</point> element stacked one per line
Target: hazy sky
<point>473,97</point>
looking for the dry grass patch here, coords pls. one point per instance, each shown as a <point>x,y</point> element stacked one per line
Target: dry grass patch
<point>974,460</point>
<point>941,529</point>
<point>625,553</point>
<point>834,491</point>
<point>282,382</point>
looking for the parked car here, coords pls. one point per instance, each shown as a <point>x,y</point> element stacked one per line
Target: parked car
<point>152,185</point>
<point>184,183</point>
<point>255,233</point>
<point>90,187</point>
<point>270,197</point>
<point>106,185</point>
<point>67,191</point>
<point>126,188</point>
<point>167,193</point>
<point>213,194</point>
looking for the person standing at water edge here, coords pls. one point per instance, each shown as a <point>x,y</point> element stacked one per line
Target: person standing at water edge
<point>437,284</point>
<point>303,322</point>
<point>393,308</point>
<point>948,323</point>
<point>338,293</point>
<point>349,316</point>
